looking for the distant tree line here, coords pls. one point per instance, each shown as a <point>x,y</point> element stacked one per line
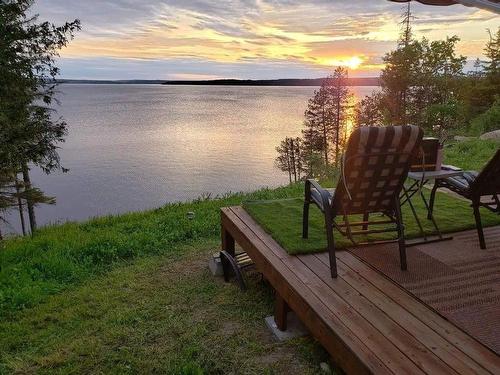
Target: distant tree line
<point>423,83</point>
<point>29,127</point>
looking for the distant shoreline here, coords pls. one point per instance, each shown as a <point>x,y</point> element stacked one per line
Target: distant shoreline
<point>362,81</point>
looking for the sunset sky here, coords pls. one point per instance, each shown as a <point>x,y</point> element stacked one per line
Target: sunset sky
<point>252,39</point>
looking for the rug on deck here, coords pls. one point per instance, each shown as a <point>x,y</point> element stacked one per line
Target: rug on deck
<point>456,278</point>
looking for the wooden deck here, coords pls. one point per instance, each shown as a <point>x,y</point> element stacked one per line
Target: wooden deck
<point>365,321</point>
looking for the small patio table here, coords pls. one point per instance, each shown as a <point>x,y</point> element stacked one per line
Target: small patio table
<point>419,179</point>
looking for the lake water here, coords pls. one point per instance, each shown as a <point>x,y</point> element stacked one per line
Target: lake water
<point>134,147</point>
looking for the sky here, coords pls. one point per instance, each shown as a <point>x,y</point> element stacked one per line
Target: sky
<point>248,39</point>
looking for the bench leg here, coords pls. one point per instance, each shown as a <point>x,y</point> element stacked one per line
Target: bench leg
<point>280,312</point>
<point>227,242</point>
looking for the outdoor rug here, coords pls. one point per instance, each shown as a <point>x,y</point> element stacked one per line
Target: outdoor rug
<point>456,278</point>
<point>282,219</point>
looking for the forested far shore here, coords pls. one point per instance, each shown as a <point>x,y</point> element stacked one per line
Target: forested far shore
<point>353,81</point>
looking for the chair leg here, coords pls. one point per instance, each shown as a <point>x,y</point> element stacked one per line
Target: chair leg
<point>305,220</point>
<point>497,202</point>
<point>365,218</point>
<point>401,236</point>
<point>479,225</point>
<point>330,244</point>
<point>431,201</point>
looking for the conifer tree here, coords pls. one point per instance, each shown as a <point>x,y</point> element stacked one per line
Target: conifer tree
<point>289,158</point>
<point>29,131</point>
<point>369,111</point>
<point>326,115</point>
<point>399,72</point>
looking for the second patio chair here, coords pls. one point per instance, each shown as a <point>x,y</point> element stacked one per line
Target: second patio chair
<point>473,186</point>
<point>374,167</point>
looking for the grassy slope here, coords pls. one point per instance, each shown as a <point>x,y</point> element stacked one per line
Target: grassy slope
<point>161,314</point>
<point>114,294</point>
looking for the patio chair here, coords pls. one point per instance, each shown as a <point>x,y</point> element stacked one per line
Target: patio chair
<point>374,167</point>
<point>473,186</point>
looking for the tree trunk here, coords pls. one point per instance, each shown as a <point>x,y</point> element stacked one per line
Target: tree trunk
<point>337,132</point>
<point>325,134</point>
<point>29,203</point>
<point>20,206</point>
<point>294,161</point>
<point>289,167</point>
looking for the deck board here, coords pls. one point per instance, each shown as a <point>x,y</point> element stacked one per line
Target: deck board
<point>366,322</point>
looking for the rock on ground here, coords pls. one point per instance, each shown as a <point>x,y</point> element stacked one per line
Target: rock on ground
<point>461,138</point>
<point>495,134</point>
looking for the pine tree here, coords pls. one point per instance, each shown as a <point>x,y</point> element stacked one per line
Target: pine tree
<point>319,121</point>
<point>326,115</point>
<point>341,98</point>
<point>29,133</point>
<point>289,158</point>
<point>492,53</point>
<point>368,111</point>
<point>399,72</point>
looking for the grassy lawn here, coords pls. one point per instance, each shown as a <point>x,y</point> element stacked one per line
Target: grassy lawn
<point>163,314</point>
<point>132,293</point>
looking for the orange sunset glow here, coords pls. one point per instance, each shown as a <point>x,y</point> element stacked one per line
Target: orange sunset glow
<point>261,40</point>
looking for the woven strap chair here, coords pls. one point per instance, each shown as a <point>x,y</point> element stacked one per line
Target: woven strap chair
<point>473,186</point>
<point>374,168</point>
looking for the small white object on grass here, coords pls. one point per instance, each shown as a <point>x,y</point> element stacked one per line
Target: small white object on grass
<point>190,215</point>
<point>325,368</point>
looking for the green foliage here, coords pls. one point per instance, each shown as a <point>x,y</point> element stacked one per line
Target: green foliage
<point>324,133</point>
<point>290,158</point>
<point>492,53</point>
<point>443,118</point>
<point>28,130</point>
<point>487,121</point>
<point>369,111</point>
<point>326,116</point>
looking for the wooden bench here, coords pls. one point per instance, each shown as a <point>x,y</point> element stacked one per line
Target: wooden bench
<point>366,322</point>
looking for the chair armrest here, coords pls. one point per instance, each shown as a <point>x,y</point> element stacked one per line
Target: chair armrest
<point>470,176</point>
<point>324,195</point>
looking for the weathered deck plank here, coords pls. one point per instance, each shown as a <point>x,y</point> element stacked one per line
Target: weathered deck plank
<point>365,321</point>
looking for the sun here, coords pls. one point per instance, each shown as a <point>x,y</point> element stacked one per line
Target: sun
<point>352,62</point>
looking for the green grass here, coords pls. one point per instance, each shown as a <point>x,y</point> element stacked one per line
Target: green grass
<point>283,220</point>
<point>131,293</point>
<point>472,154</point>
<point>162,314</point>
<point>60,256</point>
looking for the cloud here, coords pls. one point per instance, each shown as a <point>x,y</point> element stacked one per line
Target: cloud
<point>311,35</point>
